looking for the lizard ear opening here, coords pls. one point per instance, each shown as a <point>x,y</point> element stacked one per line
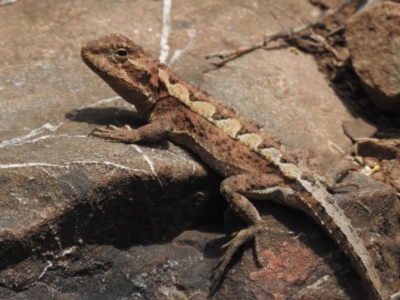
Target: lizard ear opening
<point>120,55</point>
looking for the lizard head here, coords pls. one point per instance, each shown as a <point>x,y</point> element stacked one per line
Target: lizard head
<point>126,67</point>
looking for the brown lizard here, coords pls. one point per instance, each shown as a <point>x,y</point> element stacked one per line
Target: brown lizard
<point>253,164</point>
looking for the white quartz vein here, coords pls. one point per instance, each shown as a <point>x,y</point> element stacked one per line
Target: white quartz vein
<point>21,139</point>
<point>67,165</point>
<point>146,158</point>
<point>178,53</point>
<point>166,25</point>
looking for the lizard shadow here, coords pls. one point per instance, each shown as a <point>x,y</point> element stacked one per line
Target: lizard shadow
<point>104,116</point>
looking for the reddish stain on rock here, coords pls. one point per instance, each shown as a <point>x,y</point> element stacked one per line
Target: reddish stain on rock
<point>292,265</point>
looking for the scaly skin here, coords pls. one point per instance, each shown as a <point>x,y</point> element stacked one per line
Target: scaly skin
<point>252,162</point>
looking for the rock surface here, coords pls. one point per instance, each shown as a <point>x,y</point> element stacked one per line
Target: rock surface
<point>373,39</point>
<point>85,219</point>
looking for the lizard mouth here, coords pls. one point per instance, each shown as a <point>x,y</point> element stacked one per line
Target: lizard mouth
<point>85,55</point>
<point>91,58</point>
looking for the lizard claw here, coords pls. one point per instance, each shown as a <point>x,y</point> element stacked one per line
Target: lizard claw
<point>109,129</point>
<point>115,128</point>
<point>244,236</point>
<point>232,235</point>
<point>112,133</point>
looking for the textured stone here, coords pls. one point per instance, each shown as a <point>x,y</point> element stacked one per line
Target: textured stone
<point>373,39</point>
<point>359,128</point>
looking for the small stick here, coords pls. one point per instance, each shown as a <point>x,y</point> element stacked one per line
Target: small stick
<point>285,34</point>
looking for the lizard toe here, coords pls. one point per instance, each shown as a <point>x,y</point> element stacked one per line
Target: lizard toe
<point>244,236</point>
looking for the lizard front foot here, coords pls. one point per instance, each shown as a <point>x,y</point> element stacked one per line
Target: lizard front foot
<point>245,235</point>
<point>152,132</point>
<point>113,133</point>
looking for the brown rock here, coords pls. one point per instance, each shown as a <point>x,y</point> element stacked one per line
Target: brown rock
<point>358,128</point>
<point>373,37</point>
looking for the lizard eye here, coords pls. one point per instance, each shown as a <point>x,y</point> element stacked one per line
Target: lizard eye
<point>120,55</point>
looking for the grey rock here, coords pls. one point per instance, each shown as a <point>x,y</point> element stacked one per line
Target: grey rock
<point>112,218</point>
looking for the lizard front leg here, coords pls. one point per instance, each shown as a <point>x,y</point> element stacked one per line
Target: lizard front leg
<point>237,190</point>
<point>152,132</point>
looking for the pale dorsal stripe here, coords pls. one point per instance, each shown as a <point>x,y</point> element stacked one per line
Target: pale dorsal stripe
<point>230,126</point>
<point>290,170</point>
<point>177,90</point>
<point>204,108</point>
<point>180,92</point>
<point>207,110</point>
<point>252,140</point>
<point>285,191</point>
<point>273,155</point>
<point>270,154</point>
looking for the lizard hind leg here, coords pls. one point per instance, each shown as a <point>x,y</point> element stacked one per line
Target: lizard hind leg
<point>237,190</point>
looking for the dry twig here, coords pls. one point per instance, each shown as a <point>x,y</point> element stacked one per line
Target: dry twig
<point>285,34</point>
